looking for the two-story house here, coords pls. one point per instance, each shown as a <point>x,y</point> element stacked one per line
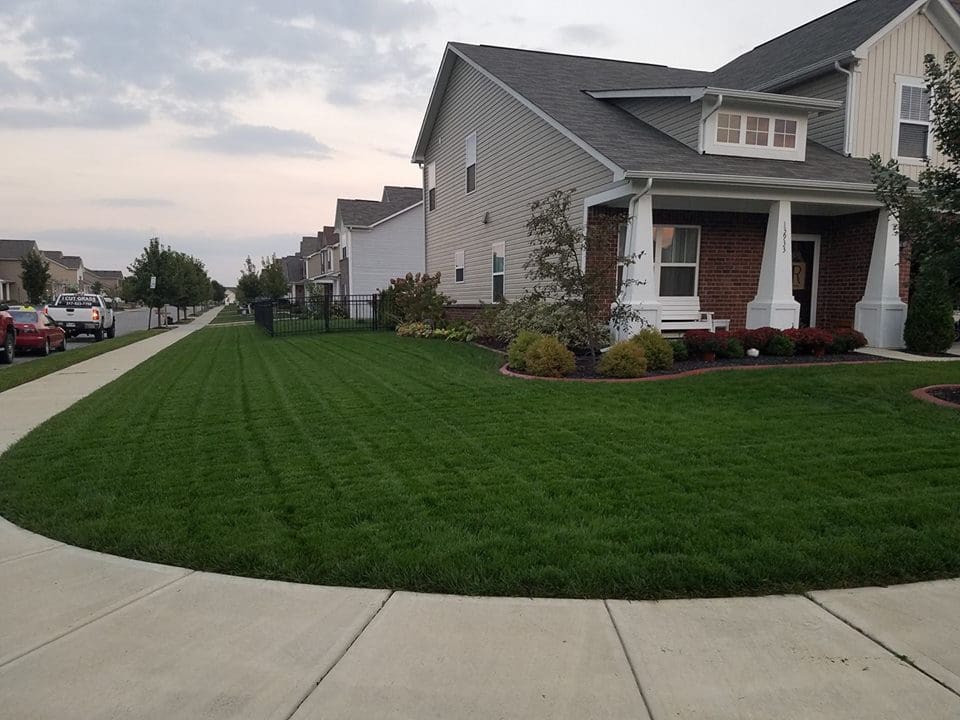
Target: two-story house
<point>67,273</point>
<point>745,193</point>
<point>12,253</point>
<point>321,254</point>
<point>379,240</point>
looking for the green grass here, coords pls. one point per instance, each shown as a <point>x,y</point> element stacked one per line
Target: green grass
<point>231,314</point>
<point>13,375</point>
<point>369,460</point>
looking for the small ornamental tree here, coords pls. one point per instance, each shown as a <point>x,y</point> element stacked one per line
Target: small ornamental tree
<point>556,267</point>
<point>928,213</point>
<point>35,274</point>
<point>248,286</point>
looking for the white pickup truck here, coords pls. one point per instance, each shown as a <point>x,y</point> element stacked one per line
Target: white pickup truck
<point>83,314</point>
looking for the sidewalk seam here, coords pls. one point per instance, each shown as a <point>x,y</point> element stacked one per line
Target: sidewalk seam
<point>30,554</point>
<point>363,629</point>
<point>96,618</point>
<point>905,659</point>
<point>626,654</point>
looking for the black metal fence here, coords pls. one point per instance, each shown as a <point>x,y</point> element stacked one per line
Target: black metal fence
<point>329,313</point>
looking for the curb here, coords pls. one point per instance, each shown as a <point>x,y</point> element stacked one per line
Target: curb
<point>925,395</point>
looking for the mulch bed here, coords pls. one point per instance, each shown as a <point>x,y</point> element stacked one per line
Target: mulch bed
<point>586,370</point>
<point>944,395</point>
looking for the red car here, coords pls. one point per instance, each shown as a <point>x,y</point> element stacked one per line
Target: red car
<point>36,331</point>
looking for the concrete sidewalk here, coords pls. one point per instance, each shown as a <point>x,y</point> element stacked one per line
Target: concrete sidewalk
<point>87,635</point>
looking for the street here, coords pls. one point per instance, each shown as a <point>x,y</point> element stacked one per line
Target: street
<point>128,321</point>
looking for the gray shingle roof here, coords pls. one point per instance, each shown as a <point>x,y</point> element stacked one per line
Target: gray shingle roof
<point>15,249</point>
<point>107,274</point>
<point>71,261</point>
<point>556,85</point>
<point>309,244</point>
<point>829,36</point>
<point>363,213</point>
<point>293,268</point>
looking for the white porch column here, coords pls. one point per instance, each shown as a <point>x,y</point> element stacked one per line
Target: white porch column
<point>640,283</point>
<point>774,305</point>
<point>881,314</point>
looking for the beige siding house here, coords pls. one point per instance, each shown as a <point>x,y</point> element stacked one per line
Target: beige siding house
<point>745,193</point>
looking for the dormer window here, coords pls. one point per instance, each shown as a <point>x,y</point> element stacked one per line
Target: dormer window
<point>785,133</point>
<point>754,130</point>
<point>728,128</point>
<point>742,130</point>
<point>758,131</point>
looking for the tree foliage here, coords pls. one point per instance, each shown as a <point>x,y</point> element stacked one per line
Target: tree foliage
<point>929,327</point>
<point>248,285</point>
<point>217,292</point>
<point>556,265</point>
<point>416,298</point>
<point>273,281</point>
<point>181,279</point>
<point>928,213</point>
<point>97,287</point>
<point>35,275</point>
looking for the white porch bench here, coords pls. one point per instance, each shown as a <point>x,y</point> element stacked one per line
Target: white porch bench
<point>678,315</point>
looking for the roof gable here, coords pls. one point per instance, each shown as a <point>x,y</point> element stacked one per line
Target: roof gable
<point>364,213</point>
<point>15,249</point>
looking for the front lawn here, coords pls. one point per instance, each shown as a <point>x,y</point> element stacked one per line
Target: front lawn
<point>13,375</point>
<point>231,314</point>
<point>370,460</point>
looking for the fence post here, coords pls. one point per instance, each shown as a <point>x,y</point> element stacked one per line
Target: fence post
<point>375,302</point>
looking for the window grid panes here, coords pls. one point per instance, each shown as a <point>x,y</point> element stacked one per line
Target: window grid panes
<point>728,128</point>
<point>676,253</point>
<point>498,272</point>
<point>758,131</point>
<point>785,133</point>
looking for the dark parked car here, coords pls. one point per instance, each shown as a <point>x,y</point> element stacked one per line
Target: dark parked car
<point>37,332</point>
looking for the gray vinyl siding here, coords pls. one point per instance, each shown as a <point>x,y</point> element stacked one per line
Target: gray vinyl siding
<point>677,117</point>
<point>828,129</point>
<point>520,159</point>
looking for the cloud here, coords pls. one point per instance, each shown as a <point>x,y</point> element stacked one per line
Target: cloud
<point>262,140</point>
<point>107,115</point>
<point>134,202</point>
<point>190,59</point>
<point>584,34</point>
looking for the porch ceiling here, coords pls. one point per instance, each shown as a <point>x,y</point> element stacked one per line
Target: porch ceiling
<point>753,205</point>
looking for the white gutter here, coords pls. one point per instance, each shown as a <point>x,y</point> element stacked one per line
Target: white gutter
<point>755,181</point>
<point>848,111</point>
<point>703,123</point>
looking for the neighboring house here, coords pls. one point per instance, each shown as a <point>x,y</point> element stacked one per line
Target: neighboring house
<point>294,270</point>
<point>11,285</point>
<point>378,240</point>
<point>746,191</point>
<point>66,273</point>
<point>229,296</point>
<point>321,254</point>
<point>109,279</point>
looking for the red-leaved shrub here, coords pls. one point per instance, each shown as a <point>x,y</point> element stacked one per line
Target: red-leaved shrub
<point>810,341</point>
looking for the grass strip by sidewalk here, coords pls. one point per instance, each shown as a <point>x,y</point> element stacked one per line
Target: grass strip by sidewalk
<point>13,375</point>
<point>364,459</point>
<point>230,314</point>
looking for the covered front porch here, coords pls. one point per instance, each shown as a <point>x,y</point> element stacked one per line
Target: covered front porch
<point>708,256</point>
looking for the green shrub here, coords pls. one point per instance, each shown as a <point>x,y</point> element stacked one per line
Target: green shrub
<point>781,345</point>
<point>415,329</point>
<point>625,359</point>
<point>656,348</point>
<point>929,327</point>
<point>415,298</point>
<point>733,349</point>
<point>548,318</point>
<point>845,341</point>
<point>548,357</point>
<point>517,350</point>
<point>679,348</point>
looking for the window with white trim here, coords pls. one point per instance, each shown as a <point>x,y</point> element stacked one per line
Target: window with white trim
<point>676,257</point>
<point>497,272</point>
<point>432,186</point>
<point>784,133</point>
<point>458,266</point>
<point>471,160</point>
<point>728,128</point>
<point>913,122</point>
<point>758,131</point>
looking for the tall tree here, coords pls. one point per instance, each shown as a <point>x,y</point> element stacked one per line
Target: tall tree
<point>35,274</point>
<point>273,281</point>
<point>217,292</point>
<point>156,262</point>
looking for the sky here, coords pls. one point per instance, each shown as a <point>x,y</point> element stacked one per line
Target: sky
<point>229,128</point>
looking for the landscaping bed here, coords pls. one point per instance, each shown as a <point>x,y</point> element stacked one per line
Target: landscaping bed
<point>949,393</point>
<point>366,459</point>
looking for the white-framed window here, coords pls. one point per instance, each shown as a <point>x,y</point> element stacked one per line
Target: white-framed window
<point>432,186</point>
<point>754,130</point>
<point>912,135</point>
<point>728,128</point>
<point>471,160</point>
<point>343,252</point>
<point>497,271</point>
<point>676,258</point>
<point>458,266</point>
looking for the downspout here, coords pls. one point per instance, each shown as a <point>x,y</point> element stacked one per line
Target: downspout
<point>848,110</point>
<point>703,124</point>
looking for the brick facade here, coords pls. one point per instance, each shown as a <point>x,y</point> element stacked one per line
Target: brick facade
<point>603,237</point>
<point>731,253</point>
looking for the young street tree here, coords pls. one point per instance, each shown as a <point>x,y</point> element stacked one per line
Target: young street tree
<point>248,286</point>
<point>273,282</point>
<point>217,292</point>
<point>35,274</point>
<point>929,214</point>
